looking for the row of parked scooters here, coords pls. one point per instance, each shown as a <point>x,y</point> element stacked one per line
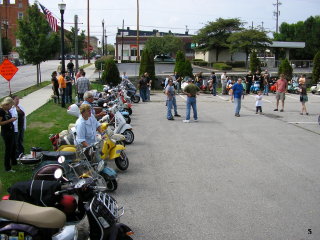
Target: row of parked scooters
<point>69,194</point>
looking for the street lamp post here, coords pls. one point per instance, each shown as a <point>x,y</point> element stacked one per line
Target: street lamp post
<point>103,37</point>
<point>62,7</point>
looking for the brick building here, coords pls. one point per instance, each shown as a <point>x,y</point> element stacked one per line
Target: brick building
<point>130,42</point>
<point>10,12</point>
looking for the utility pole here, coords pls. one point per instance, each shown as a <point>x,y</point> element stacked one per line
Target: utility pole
<point>262,26</point>
<point>105,41</point>
<point>252,25</point>
<point>138,57</point>
<point>277,14</point>
<point>1,53</point>
<point>103,37</point>
<point>122,40</point>
<point>88,37</point>
<point>76,50</point>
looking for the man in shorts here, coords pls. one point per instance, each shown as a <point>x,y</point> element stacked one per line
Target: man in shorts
<point>281,89</point>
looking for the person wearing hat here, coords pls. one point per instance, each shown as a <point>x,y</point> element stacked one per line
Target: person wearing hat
<point>192,91</point>
<point>171,100</point>
<point>7,133</point>
<point>62,87</point>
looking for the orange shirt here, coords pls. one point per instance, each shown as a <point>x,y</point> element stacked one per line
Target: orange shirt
<point>62,82</point>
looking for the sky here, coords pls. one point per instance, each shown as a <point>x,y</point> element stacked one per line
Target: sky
<point>178,15</point>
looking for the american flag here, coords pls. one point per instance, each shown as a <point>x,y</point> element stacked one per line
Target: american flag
<point>51,19</point>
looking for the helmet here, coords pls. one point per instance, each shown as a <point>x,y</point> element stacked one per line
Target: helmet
<point>68,204</point>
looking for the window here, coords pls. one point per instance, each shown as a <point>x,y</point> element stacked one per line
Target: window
<point>133,52</point>
<point>18,43</point>
<point>20,5</point>
<point>126,53</point>
<point>12,1</point>
<point>20,15</point>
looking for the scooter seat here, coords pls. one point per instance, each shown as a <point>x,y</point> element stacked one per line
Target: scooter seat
<point>43,217</point>
<point>53,156</point>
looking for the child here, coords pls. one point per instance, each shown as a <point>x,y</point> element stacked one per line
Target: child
<point>259,102</point>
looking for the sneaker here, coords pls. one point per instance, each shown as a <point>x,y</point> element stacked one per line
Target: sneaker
<point>307,113</point>
<point>301,113</point>
<point>170,118</point>
<point>281,110</point>
<point>275,109</point>
<point>177,115</point>
<point>11,170</point>
<point>256,112</point>
<point>186,121</point>
<point>196,120</point>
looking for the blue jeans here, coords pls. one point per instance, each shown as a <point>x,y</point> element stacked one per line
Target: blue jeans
<point>266,90</point>
<point>148,94</point>
<point>191,102</point>
<point>237,105</point>
<point>214,89</point>
<point>174,104</point>
<point>143,94</point>
<point>169,107</point>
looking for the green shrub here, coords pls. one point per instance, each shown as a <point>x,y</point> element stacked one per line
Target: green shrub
<point>286,69</point>
<point>111,73</point>
<point>316,68</point>
<point>179,65</point>
<point>101,62</point>
<point>254,63</point>
<point>187,69</point>
<point>237,64</point>
<point>200,63</point>
<point>147,63</point>
<point>221,66</point>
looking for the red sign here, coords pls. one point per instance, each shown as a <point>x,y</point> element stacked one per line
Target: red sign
<point>8,69</point>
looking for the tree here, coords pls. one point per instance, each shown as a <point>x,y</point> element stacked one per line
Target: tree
<point>248,40</point>
<point>37,42</point>
<point>214,35</point>
<point>254,62</point>
<point>70,35</point>
<point>147,63</point>
<point>286,69</point>
<point>316,68</point>
<point>307,31</point>
<point>167,44</point>
<point>180,60</point>
<point>111,73</point>
<point>6,46</point>
<point>187,70</point>
<point>109,49</point>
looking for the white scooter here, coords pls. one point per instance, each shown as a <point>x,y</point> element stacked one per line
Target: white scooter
<point>315,89</point>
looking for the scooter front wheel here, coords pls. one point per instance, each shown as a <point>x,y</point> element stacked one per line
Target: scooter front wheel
<point>122,162</point>
<point>135,99</point>
<point>129,136</point>
<point>112,185</point>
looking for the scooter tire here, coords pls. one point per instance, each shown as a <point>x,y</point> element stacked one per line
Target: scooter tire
<point>135,99</point>
<point>122,162</point>
<point>112,185</point>
<point>129,136</point>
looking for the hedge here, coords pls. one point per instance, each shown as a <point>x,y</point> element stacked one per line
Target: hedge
<point>222,66</point>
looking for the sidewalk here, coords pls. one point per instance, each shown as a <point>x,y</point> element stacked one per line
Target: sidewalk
<point>34,100</point>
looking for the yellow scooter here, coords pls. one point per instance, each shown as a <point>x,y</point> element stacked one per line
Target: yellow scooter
<point>110,150</point>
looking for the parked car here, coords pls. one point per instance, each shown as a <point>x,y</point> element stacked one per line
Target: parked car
<point>164,58</point>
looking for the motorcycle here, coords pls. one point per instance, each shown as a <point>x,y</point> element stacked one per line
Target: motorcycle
<point>23,220</point>
<point>315,89</point>
<point>293,86</point>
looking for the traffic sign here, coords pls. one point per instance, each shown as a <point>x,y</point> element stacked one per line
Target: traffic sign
<point>8,69</point>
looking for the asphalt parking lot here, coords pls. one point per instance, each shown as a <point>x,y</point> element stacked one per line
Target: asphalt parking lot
<point>253,177</point>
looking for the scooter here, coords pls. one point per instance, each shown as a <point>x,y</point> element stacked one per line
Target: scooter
<point>293,86</point>
<point>315,89</point>
<point>255,87</point>
<point>22,220</point>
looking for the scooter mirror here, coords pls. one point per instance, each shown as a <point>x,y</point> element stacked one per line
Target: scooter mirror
<point>61,159</point>
<point>58,173</point>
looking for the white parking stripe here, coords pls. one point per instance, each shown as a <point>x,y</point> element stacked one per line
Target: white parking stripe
<point>222,98</point>
<point>292,97</point>
<point>303,122</point>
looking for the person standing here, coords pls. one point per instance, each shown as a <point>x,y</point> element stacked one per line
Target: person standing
<point>55,87</point>
<point>7,133</point>
<point>79,74</point>
<point>281,89</point>
<point>59,68</point>
<point>213,79</point>
<point>69,81</point>
<point>70,67</point>
<point>258,102</point>
<point>258,78</point>
<point>82,85</point>
<point>191,90</point>
<point>266,80</point>
<point>179,80</point>
<point>149,82</point>
<point>199,79</point>
<point>236,94</point>
<point>20,125</point>
<point>62,88</point>
<point>224,80</point>
<point>143,88</point>
<point>171,100</point>
<point>249,78</point>
<point>303,98</point>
